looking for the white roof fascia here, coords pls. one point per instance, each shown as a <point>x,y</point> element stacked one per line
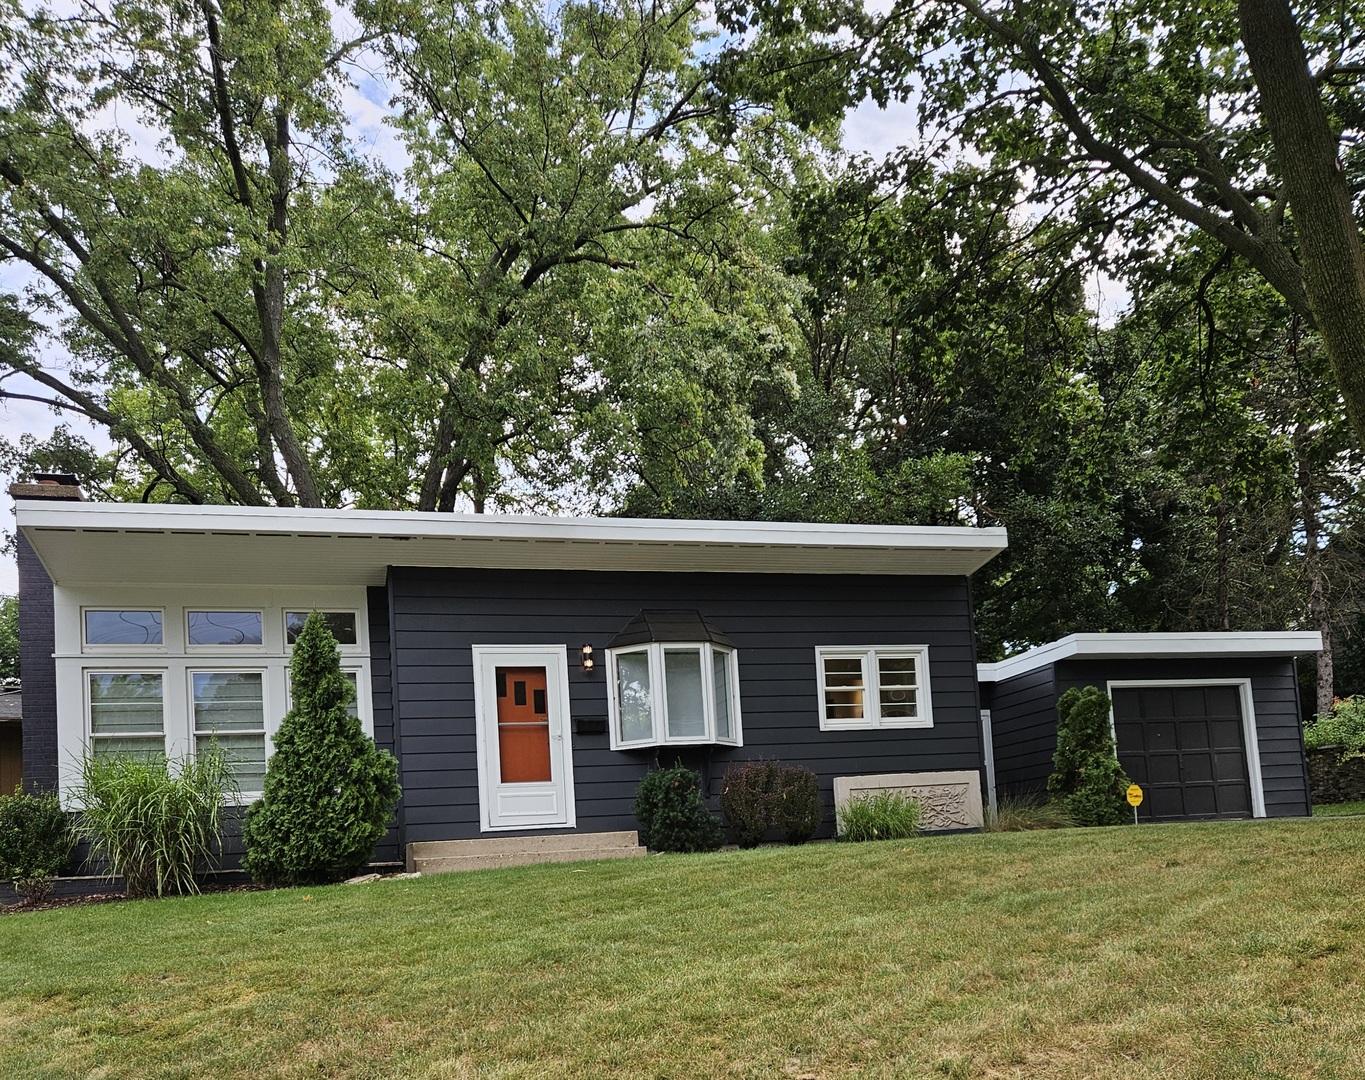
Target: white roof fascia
<point>363,543</point>
<point>1137,646</point>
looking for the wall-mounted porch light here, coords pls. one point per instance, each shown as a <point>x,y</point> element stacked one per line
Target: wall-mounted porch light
<point>588,662</point>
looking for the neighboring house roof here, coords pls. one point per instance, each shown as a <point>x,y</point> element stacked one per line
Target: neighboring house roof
<point>1138,646</point>
<point>11,706</point>
<point>83,543</point>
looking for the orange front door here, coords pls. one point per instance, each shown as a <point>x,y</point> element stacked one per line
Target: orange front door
<point>523,725</point>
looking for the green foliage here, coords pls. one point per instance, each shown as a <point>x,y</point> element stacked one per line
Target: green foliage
<point>36,840</point>
<point>1025,813</point>
<point>155,821</point>
<point>1343,725</point>
<point>9,638</point>
<point>756,796</point>
<point>1087,780</point>
<point>672,815</point>
<point>329,791</point>
<point>881,815</point>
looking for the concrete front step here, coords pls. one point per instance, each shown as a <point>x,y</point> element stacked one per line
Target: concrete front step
<point>444,856</point>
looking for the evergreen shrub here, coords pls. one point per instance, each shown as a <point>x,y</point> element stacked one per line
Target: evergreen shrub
<point>329,791</point>
<point>672,815</point>
<point>36,840</point>
<point>1087,779</point>
<point>759,795</point>
<point>155,821</point>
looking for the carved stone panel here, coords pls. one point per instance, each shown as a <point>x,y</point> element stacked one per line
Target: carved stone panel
<point>948,800</point>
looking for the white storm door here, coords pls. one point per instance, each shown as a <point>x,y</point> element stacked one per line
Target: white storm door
<point>521,707</point>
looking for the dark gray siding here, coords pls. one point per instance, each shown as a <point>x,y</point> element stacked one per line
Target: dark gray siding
<point>1023,731</point>
<point>775,621</point>
<point>1275,697</point>
<point>37,642</point>
<point>381,689</point>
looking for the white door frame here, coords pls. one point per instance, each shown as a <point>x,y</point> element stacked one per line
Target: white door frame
<point>555,660</point>
<point>1253,751</point>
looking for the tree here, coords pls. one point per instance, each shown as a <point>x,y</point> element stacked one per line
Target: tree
<point>1086,776</point>
<point>329,792</point>
<point>9,639</point>
<point>1133,121</point>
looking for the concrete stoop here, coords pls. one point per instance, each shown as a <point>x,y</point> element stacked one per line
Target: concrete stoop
<point>446,856</point>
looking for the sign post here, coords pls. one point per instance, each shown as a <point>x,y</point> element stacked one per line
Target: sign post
<point>1134,799</point>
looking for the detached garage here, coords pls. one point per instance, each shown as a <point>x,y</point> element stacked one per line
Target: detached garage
<point>1207,724</point>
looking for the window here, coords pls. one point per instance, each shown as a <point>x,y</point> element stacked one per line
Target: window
<point>225,628</point>
<point>352,676</point>
<point>122,627</point>
<point>229,712</point>
<point>127,713</point>
<point>886,686</point>
<point>675,693</point>
<point>341,623</point>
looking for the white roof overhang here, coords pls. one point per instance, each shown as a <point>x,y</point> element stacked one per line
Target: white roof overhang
<point>81,543</point>
<point>1137,646</point>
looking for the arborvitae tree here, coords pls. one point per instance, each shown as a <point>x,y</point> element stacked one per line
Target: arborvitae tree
<point>1086,776</point>
<point>329,792</point>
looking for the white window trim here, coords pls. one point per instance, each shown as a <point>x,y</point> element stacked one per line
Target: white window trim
<point>88,719</point>
<point>245,794</point>
<point>1249,737</point>
<point>122,650</point>
<point>658,696</point>
<point>872,720</point>
<point>234,650</point>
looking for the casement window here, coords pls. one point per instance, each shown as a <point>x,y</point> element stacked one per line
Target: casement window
<point>224,628</point>
<point>229,712</point>
<point>674,694</point>
<point>882,686</point>
<point>127,712</point>
<point>342,624</point>
<point>118,629</point>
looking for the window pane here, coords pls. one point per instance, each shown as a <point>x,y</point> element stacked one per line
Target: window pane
<point>897,687</point>
<point>683,693</point>
<point>229,712</point>
<point>353,708</point>
<point>632,696</point>
<point>123,628</point>
<point>340,623</point>
<point>844,687</point>
<point>126,704</point>
<point>720,673</point>
<point>225,628</point>
<point>101,746</point>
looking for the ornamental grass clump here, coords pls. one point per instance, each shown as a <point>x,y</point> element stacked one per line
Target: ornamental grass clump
<point>329,791</point>
<point>880,815</point>
<point>155,821</point>
<point>672,815</point>
<point>1087,780</point>
<point>36,840</point>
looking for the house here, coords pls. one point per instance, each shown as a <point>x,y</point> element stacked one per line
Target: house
<point>1208,724</point>
<point>526,671</point>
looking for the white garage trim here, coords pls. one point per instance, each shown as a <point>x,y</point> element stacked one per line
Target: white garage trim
<point>1253,752</point>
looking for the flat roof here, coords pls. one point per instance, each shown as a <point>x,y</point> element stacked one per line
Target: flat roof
<point>1137,646</point>
<point>83,543</point>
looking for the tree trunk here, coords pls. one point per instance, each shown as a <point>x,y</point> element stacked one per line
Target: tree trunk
<point>1306,148</point>
<point>1319,615</point>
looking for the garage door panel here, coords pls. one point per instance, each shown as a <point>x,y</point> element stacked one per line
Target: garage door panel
<point>1158,704</point>
<point>1189,701</point>
<point>1163,769</point>
<point>1227,734</point>
<point>1223,701</point>
<point>1194,736</point>
<point>1166,802</point>
<point>1234,800</point>
<point>1160,735</point>
<point>1130,737</point>
<point>1196,768</point>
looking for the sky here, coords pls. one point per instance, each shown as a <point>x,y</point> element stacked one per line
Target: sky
<point>868,130</point>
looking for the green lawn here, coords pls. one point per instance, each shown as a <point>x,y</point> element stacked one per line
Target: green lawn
<point>1339,809</point>
<point>1217,951</point>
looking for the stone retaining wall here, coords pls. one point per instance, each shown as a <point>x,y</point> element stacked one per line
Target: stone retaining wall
<point>1332,781</point>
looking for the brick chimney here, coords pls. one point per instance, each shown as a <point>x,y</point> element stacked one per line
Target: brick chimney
<point>62,487</point>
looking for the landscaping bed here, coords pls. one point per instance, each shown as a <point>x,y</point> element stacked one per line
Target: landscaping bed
<point>1230,950</point>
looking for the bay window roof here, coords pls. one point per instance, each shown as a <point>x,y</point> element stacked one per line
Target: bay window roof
<point>667,625</point>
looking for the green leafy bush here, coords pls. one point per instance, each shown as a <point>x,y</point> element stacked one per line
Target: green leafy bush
<point>156,821</point>
<point>881,815</point>
<point>671,813</point>
<point>1087,780</point>
<point>329,791</point>
<point>758,795</point>
<point>1342,725</point>
<point>36,840</point>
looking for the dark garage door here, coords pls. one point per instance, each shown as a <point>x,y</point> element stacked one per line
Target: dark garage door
<point>1184,745</point>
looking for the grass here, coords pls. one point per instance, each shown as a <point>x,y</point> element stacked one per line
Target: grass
<point>1224,951</point>
<point>1340,809</point>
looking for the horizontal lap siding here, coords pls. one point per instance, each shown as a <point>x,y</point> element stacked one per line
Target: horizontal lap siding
<point>775,621</point>
<point>388,849</point>
<point>1023,731</point>
<point>1275,698</point>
